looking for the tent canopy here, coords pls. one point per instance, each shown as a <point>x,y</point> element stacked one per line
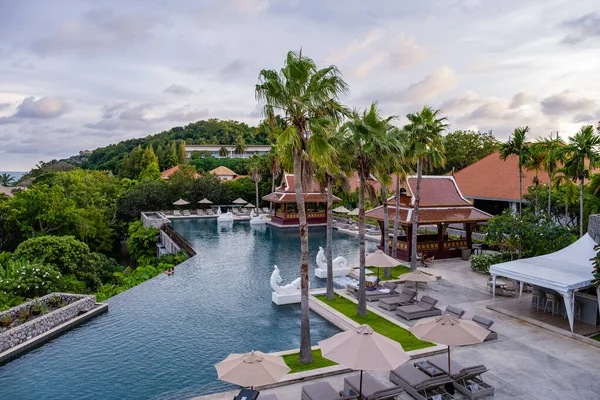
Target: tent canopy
<point>565,270</point>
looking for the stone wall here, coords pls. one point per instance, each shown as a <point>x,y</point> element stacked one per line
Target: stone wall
<point>21,333</point>
<point>168,244</point>
<point>155,219</point>
<point>594,227</point>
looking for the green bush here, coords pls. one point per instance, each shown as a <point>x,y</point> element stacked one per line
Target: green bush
<point>28,279</point>
<point>141,242</point>
<point>482,262</point>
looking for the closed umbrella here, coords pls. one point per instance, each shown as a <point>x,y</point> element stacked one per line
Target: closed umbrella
<point>353,212</point>
<point>416,276</point>
<point>181,202</point>
<point>363,349</point>
<point>341,210</point>
<point>239,200</point>
<point>252,369</point>
<point>379,259</point>
<point>450,331</point>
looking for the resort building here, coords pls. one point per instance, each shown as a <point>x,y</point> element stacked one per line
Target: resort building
<point>215,150</point>
<point>168,172</point>
<point>442,204</point>
<point>493,183</point>
<point>224,173</point>
<point>284,203</point>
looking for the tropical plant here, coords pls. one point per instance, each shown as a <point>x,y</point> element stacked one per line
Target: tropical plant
<point>552,150</point>
<point>255,166</point>
<point>535,162</point>
<point>6,179</point>
<point>223,152</point>
<point>401,172</point>
<point>274,168</point>
<point>581,156</point>
<point>240,145</point>
<point>426,148</point>
<point>141,242</point>
<point>517,145</point>
<point>28,278</point>
<point>306,99</point>
<point>483,262</point>
<point>563,184</point>
<point>369,141</point>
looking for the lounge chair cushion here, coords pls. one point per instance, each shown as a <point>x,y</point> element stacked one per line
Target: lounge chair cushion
<point>418,379</point>
<point>482,321</point>
<point>426,302</point>
<point>455,311</point>
<point>411,309</point>
<point>319,391</point>
<point>458,371</point>
<point>370,384</point>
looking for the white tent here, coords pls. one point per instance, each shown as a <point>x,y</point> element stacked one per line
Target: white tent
<point>564,271</point>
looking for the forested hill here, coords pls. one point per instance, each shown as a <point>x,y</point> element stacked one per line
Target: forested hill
<point>212,131</point>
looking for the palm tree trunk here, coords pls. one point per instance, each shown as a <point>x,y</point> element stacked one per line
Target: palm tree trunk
<point>396,218</point>
<point>536,196</point>
<point>549,192</point>
<point>520,186</point>
<point>415,225</point>
<point>256,183</point>
<point>566,213</point>
<point>581,208</point>
<point>362,299</point>
<point>329,254</point>
<point>387,273</point>
<point>272,190</point>
<point>305,350</point>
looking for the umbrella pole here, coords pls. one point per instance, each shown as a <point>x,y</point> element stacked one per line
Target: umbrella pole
<point>360,387</point>
<point>449,372</point>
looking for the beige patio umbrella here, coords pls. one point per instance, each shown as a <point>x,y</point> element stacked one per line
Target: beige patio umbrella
<point>181,202</point>
<point>341,210</point>
<point>416,276</point>
<point>205,201</point>
<point>363,349</point>
<point>353,212</point>
<point>450,331</point>
<point>239,200</point>
<point>249,205</point>
<point>379,259</point>
<point>251,369</point>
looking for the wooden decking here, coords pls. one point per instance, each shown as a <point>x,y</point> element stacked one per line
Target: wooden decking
<point>521,310</point>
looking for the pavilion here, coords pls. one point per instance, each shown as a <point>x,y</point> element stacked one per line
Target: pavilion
<point>442,204</point>
<point>284,203</point>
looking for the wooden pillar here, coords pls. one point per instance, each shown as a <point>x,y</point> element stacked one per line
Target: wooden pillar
<point>440,236</point>
<point>382,241</point>
<point>469,230</point>
<point>408,231</point>
<point>284,210</point>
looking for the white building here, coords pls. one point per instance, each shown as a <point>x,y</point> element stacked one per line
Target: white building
<point>214,150</point>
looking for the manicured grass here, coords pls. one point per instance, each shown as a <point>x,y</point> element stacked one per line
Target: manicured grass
<point>379,324</point>
<point>595,337</point>
<point>396,272</point>
<point>292,361</point>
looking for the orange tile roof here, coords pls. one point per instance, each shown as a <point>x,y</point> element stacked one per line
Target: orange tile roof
<point>494,179</point>
<point>222,170</point>
<point>431,215</point>
<point>286,193</point>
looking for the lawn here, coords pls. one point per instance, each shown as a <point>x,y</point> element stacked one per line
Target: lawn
<point>595,337</point>
<point>379,324</point>
<point>292,361</point>
<point>396,272</point>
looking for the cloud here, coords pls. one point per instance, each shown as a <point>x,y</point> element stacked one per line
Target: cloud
<point>582,28</point>
<point>4,105</point>
<point>178,90</point>
<point>567,103</point>
<point>30,108</point>
<point>406,52</point>
<point>356,46</point>
<point>250,7</point>
<point>462,103</point>
<point>440,81</point>
<point>521,99</point>
<point>232,69</point>
<point>99,29</point>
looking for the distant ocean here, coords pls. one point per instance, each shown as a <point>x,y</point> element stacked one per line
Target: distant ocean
<point>15,174</point>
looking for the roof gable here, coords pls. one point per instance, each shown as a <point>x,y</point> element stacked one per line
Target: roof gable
<point>222,171</point>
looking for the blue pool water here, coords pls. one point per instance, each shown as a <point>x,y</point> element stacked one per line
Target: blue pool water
<point>160,339</point>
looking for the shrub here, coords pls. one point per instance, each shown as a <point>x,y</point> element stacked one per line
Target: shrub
<point>482,262</point>
<point>28,279</point>
<point>141,242</point>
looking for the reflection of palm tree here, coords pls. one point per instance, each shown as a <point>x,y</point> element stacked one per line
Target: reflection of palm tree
<point>307,100</point>
<point>6,179</point>
<point>223,152</point>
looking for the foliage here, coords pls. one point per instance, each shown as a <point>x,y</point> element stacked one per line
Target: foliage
<point>207,163</point>
<point>464,148</point>
<point>534,235</point>
<point>28,279</point>
<point>482,262</point>
<point>141,242</point>
<point>319,362</point>
<point>517,145</point>
<point>144,196</point>
<point>6,179</point>
<point>596,263</point>
<point>151,172</point>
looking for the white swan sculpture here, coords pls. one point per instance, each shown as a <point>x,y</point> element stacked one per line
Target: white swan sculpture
<point>340,265</point>
<point>286,294</point>
<point>257,219</point>
<point>227,217</point>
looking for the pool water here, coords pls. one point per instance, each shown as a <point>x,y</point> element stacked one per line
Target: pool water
<point>160,339</point>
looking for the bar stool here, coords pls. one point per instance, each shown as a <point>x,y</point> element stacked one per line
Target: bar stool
<point>537,299</point>
<point>551,300</point>
<point>576,311</point>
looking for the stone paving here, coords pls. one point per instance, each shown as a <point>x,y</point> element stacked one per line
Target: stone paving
<point>525,362</point>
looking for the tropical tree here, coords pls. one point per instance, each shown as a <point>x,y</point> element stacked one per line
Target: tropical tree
<point>255,167</point>
<point>368,139</point>
<point>223,152</point>
<point>535,162</point>
<point>306,99</point>
<point>562,184</point>
<point>240,146</point>
<point>6,179</point>
<point>581,156</point>
<point>552,150</point>
<point>426,148</point>
<point>401,172</point>
<point>274,162</point>
<point>517,145</point>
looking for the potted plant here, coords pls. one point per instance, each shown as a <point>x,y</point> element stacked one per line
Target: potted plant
<point>36,309</point>
<point>6,321</point>
<point>54,301</point>
<point>24,315</point>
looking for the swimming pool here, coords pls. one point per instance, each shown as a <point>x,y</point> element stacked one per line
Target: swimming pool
<point>160,339</point>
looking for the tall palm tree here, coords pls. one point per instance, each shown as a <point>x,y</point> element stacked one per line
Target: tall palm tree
<point>563,184</point>
<point>6,179</point>
<point>367,139</point>
<point>255,167</point>
<point>552,150</point>
<point>426,148</point>
<point>240,146</point>
<point>581,157</point>
<point>401,173</point>
<point>223,152</point>
<point>275,169</point>
<point>517,145</point>
<point>306,98</point>
<point>535,162</point>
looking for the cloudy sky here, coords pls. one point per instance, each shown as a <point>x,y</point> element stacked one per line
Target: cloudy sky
<point>80,74</point>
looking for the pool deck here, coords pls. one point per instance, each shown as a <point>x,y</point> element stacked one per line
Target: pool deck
<point>525,362</point>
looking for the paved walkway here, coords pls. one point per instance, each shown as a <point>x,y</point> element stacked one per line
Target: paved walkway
<point>525,362</point>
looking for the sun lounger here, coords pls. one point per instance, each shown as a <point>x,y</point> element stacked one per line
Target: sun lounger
<point>322,391</point>
<point>421,309</point>
<point>372,295</point>
<point>418,384</point>
<point>235,211</point>
<point>485,323</point>
<point>177,213</point>
<point>200,212</point>
<point>467,380</point>
<point>210,212</point>
<point>406,297</point>
<point>372,389</point>
<point>186,213</point>
<point>265,210</point>
<point>455,312</point>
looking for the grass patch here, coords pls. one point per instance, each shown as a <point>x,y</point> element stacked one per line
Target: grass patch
<point>596,337</point>
<point>396,272</point>
<point>379,324</point>
<point>292,361</point>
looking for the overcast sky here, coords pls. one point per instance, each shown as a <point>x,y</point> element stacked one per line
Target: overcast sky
<point>80,74</point>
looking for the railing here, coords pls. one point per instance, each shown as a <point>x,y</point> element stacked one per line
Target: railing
<point>455,244</point>
<point>179,240</point>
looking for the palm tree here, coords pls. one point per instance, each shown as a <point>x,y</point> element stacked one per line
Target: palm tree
<point>240,146</point>
<point>306,98</point>
<point>551,148</point>
<point>275,168</point>
<point>581,157</point>
<point>563,184</point>
<point>402,171</point>
<point>517,145</point>
<point>535,162</point>
<point>426,148</point>
<point>367,139</point>
<point>255,167</point>
<point>6,179</point>
<point>223,152</point>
